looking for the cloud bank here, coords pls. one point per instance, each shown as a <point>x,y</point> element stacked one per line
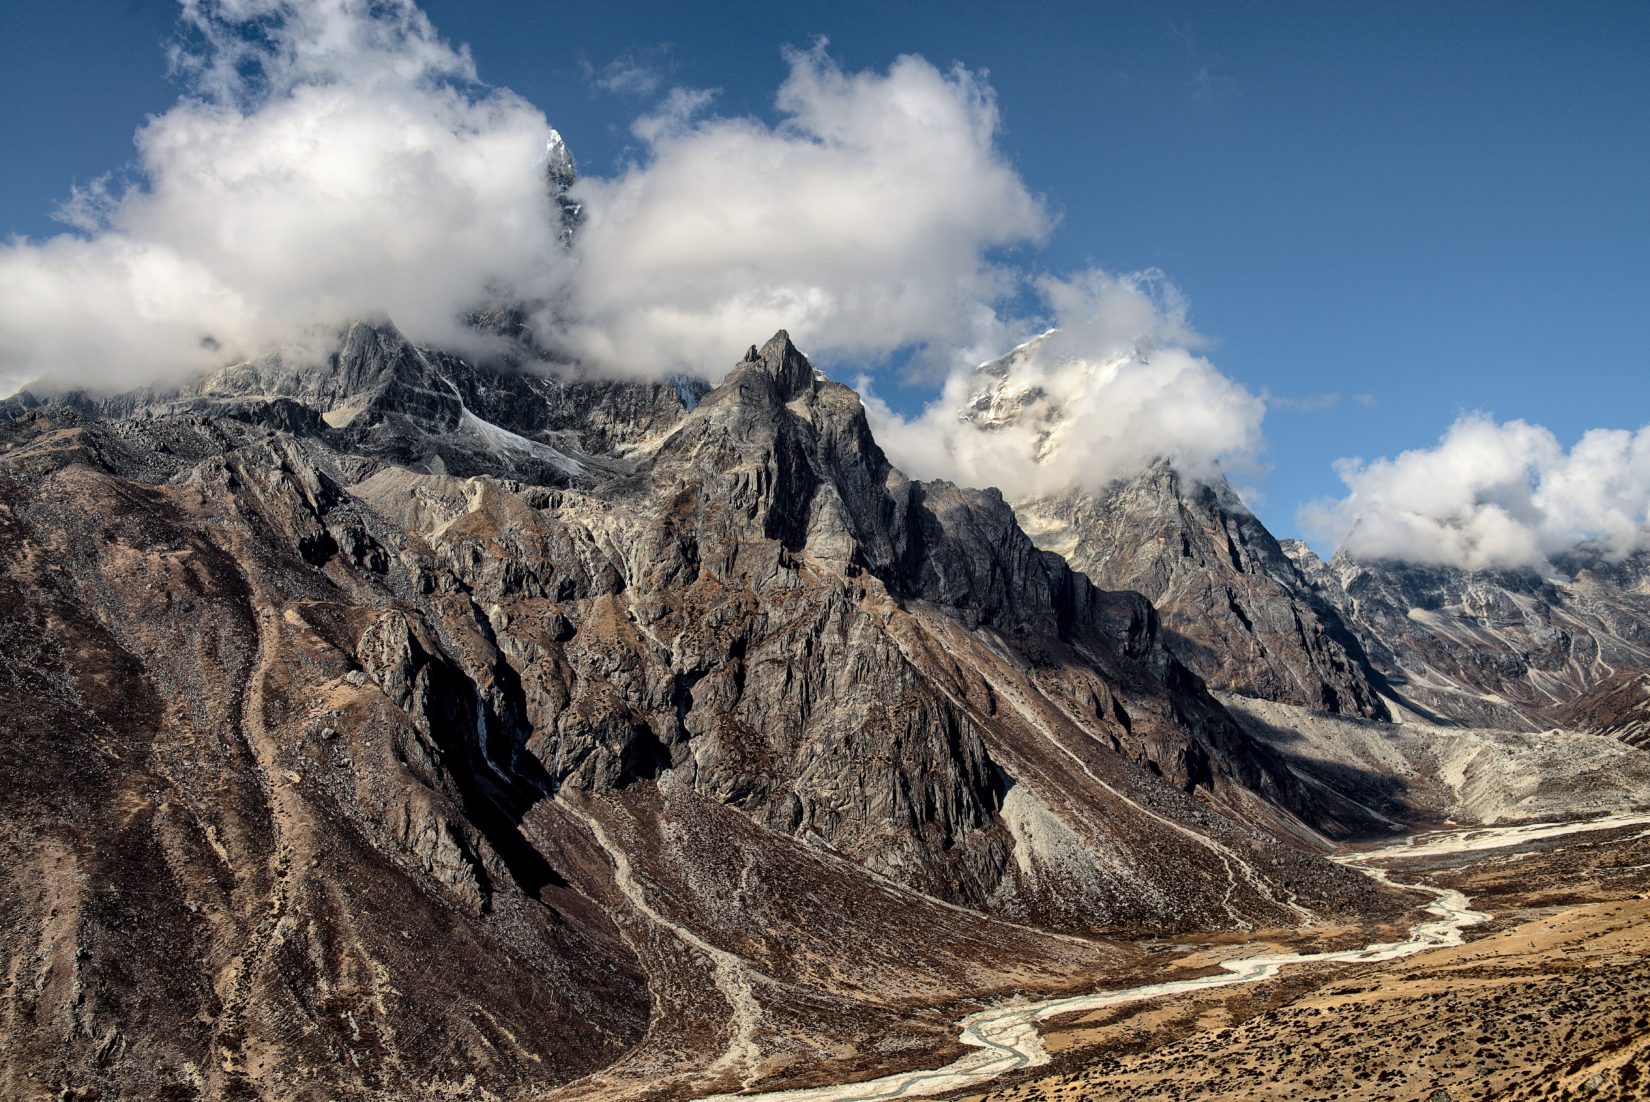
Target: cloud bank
<point>1117,383</point>
<point>338,163</point>
<point>863,222</point>
<point>1492,495</point>
<point>338,159</point>
<point>334,159</point>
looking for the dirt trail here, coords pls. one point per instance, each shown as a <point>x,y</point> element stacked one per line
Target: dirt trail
<point>238,982</point>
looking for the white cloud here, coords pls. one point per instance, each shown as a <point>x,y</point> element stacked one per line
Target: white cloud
<point>1118,383</point>
<point>673,114</point>
<point>339,163</point>
<point>244,48</point>
<point>335,159</point>
<point>1311,403</point>
<point>862,222</point>
<point>1494,495</point>
<point>633,73</point>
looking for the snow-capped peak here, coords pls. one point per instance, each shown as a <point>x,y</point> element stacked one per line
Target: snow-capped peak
<point>561,173</point>
<point>558,162</point>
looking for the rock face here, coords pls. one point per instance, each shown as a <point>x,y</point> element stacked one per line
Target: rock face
<point>1234,607</point>
<point>1514,649</point>
<point>398,727</point>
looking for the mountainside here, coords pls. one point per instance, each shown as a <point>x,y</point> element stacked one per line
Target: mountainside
<point>1618,706</point>
<point>1377,776</point>
<point>1511,648</point>
<point>1234,607</point>
<point>397,727</point>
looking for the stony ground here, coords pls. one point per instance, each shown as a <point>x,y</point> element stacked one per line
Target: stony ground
<point>1550,1000</point>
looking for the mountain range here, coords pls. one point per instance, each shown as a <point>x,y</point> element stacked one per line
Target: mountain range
<point>400,725</point>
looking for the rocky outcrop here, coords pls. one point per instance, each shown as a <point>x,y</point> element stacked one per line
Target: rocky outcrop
<point>1234,607</point>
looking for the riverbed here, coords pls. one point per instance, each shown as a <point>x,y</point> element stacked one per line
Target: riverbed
<point>1008,1037</point>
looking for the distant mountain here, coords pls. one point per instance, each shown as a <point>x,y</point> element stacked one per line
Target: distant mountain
<point>1513,648</point>
<point>1234,607</point>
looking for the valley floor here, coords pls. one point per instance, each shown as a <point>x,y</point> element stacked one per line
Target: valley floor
<point>1550,999</point>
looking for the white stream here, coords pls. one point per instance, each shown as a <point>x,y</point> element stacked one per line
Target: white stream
<point>1006,1038</point>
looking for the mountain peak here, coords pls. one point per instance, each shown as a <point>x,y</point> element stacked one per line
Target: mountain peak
<point>783,364</point>
<point>778,346</point>
<point>558,162</point>
<point>562,174</point>
<point>1242,616</point>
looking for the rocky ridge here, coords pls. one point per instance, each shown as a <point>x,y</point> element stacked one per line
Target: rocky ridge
<point>1233,605</point>
<point>1516,649</point>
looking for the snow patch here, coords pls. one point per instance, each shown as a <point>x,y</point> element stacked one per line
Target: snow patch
<point>503,440</point>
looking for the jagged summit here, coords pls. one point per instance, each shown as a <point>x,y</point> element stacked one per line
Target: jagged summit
<point>562,174</point>
<point>1006,398</point>
<point>783,365</point>
<point>377,394</point>
<point>558,161</point>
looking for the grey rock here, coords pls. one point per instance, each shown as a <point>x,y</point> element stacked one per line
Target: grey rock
<point>1234,607</point>
<point>1517,649</point>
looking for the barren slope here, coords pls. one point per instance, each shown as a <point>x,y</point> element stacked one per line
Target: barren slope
<point>390,729</point>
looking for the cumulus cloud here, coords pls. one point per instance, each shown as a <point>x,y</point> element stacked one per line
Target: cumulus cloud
<point>1492,495</point>
<point>863,221</point>
<point>1117,383</point>
<point>332,159</point>
<point>336,159</point>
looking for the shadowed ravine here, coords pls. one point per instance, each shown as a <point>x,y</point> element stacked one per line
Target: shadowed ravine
<point>1007,1038</point>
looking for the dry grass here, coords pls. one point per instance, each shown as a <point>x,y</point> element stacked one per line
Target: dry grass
<point>1550,1001</point>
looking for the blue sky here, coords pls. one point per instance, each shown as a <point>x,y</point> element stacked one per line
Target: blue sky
<point>1441,208</point>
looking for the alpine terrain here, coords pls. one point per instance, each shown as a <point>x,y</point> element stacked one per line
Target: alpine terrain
<point>392,723</point>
